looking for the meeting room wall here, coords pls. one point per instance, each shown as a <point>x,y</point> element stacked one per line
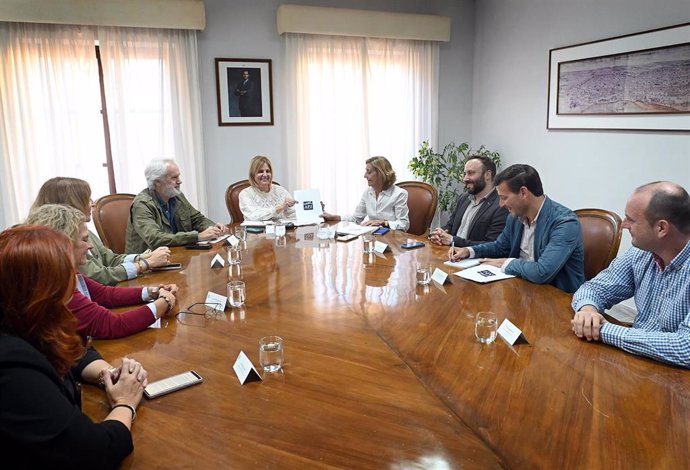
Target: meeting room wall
<point>247,29</point>
<point>580,168</point>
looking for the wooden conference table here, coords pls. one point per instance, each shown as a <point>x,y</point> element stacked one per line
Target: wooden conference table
<point>381,373</point>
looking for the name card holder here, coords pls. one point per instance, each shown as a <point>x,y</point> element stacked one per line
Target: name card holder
<point>380,247</point>
<point>217,301</point>
<point>245,370</point>
<point>217,261</point>
<point>439,276</point>
<point>511,334</point>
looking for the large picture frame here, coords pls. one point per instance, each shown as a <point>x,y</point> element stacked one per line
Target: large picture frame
<point>244,90</point>
<point>639,81</point>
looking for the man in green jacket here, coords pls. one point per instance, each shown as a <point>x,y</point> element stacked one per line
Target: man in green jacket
<point>162,216</point>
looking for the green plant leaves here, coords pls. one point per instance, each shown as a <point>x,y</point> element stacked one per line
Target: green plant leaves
<point>446,170</point>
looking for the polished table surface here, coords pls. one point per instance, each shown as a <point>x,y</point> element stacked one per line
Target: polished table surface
<point>381,373</point>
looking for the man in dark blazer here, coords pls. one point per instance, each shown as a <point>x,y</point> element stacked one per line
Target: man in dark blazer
<point>477,217</point>
<point>542,239</point>
<point>245,93</point>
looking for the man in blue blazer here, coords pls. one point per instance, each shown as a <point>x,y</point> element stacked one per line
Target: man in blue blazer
<point>542,240</point>
<point>478,217</point>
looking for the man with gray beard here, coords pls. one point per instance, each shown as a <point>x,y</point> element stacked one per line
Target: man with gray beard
<point>162,216</point>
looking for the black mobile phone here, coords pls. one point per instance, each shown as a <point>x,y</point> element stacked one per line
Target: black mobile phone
<point>171,384</point>
<point>168,267</point>
<point>411,245</point>
<point>381,231</point>
<point>198,246</point>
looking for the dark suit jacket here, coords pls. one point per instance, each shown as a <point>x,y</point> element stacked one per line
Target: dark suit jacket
<point>559,255</point>
<point>486,226</point>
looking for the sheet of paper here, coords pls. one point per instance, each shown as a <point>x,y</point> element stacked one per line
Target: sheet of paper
<point>253,223</point>
<point>308,206</point>
<point>483,273</point>
<point>463,263</point>
<point>156,324</point>
<point>350,228</point>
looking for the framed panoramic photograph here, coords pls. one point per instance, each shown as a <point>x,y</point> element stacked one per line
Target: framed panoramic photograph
<point>245,92</point>
<point>639,81</point>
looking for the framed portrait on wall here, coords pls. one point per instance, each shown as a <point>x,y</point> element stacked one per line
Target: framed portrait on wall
<point>244,92</point>
<point>638,81</point>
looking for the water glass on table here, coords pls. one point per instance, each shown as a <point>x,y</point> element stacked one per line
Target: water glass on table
<point>271,353</point>
<point>485,326</point>
<point>423,274</point>
<point>368,240</point>
<point>234,254</point>
<point>236,293</point>
<point>241,233</point>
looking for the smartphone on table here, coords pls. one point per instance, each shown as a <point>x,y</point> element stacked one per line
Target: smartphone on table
<point>172,384</point>
<point>411,245</point>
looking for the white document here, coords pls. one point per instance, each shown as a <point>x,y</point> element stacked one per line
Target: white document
<point>463,263</point>
<point>483,273</point>
<point>253,223</point>
<point>350,228</point>
<point>308,207</point>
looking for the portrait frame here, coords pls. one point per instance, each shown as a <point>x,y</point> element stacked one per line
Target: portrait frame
<point>244,102</point>
<point>643,44</point>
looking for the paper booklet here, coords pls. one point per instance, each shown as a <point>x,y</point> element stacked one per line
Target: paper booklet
<point>463,263</point>
<point>483,273</point>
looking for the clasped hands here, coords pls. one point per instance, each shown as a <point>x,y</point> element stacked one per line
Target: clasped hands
<point>587,323</point>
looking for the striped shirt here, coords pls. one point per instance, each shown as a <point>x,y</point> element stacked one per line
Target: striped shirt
<point>662,296</point>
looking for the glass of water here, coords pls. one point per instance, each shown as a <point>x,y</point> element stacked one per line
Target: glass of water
<point>234,254</point>
<point>368,240</point>
<point>485,326</point>
<point>241,233</point>
<point>280,229</point>
<point>236,293</point>
<point>423,274</point>
<point>271,353</point>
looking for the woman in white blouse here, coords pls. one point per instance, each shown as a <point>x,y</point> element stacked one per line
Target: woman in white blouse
<point>383,203</point>
<point>264,200</point>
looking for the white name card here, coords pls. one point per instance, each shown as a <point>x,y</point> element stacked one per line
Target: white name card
<point>380,247</point>
<point>217,261</point>
<point>244,369</point>
<point>510,333</point>
<point>232,240</point>
<point>217,301</point>
<point>439,276</point>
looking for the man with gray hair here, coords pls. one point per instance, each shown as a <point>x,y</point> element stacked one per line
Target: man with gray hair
<point>162,216</point>
<point>655,271</point>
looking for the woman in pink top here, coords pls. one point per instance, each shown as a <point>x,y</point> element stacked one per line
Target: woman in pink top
<point>91,301</point>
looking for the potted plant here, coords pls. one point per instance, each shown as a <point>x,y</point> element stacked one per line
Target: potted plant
<point>446,170</point>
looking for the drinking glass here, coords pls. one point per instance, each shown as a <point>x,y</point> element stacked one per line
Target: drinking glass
<point>241,233</point>
<point>485,326</point>
<point>280,229</point>
<point>368,240</point>
<point>423,274</point>
<point>271,353</point>
<point>234,254</point>
<point>236,293</point>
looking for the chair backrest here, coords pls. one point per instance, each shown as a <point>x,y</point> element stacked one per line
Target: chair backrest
<point>422,199</point>
<point>601,231</point>
<point>110,216</point>
<point>232,200</point>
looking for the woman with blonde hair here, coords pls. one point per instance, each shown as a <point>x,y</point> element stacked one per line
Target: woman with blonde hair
<point>101,264</point>
<point>91,300</point>
<point>43,359</point>
<point>263,199</point>
<point>383,203</point>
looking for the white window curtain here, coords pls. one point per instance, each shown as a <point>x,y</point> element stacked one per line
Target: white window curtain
<point>50,108</point>
<point>350,98</point>
<point>152,90</point>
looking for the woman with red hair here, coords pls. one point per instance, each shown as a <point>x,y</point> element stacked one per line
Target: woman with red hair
<point>42,359</point>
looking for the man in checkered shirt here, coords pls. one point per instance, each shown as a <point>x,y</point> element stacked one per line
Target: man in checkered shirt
<point>656,271</point>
